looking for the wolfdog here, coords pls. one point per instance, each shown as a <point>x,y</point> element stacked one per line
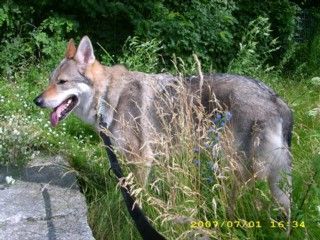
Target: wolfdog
<point>126,101</point>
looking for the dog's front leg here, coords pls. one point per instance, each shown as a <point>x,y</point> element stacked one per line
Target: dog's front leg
<point>141,164</point>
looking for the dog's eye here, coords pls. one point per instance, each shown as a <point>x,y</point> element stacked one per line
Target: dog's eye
<point>61,81</point>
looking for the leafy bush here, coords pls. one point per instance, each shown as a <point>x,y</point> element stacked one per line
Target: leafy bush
<point>140,56</point>
<point>15,55</point>
<point>22,43</point>
<point>13,49</point>
<point>211,29</point>
<point>48,40</point>
<point>202,27</point>
<point>283,16</point>
<point>14,19</point>
<point>314,63</point>
<point>302,57</point>
<point>250,60</point>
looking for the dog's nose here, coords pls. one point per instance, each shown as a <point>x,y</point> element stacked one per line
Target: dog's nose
<point>39,101</point>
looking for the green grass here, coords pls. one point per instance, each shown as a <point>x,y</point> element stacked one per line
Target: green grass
<point>180,193</point>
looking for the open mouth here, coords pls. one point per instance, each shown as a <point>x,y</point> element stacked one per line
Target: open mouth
<point>61,112</point>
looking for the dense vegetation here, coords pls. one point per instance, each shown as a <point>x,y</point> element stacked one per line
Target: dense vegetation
<point>212,29</point>
<point>277,41</point>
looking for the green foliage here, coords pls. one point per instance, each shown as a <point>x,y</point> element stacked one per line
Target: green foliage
<point>14,52</point>
<point>22,43</point>
<point>15,55</point>
<point>14,19</point>
<point>250,60</point>
<point>315,54</point>
<point>48,39</point>
<point>140,56</point>
<point>302,58</point>
<point>202,27</point>
<point>212,29</point>
<point>283,16</point>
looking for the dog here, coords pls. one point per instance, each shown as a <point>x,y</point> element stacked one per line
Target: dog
<point>126,102</point>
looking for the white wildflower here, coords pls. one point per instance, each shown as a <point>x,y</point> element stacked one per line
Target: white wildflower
<point>10,180</point>
<point>314,112</point>
<point>315,81</point>
<point>16,132</point>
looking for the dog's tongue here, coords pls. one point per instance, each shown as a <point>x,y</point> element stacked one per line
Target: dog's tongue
<point>56,113</point>
<point>54,118</point>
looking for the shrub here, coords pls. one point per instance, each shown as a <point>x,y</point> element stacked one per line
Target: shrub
<point>249,60</point>
<point>314,54</point>
<point>139,55</point>
<point>283,17</point>
<point>48,40</point>
<point>202,27</point>
<point>23,43</point>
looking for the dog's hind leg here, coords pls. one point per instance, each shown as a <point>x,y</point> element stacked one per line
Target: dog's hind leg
<point>274,163</point>
<point>280,185</point>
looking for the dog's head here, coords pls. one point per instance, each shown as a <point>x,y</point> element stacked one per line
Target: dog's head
<point>69,88</point>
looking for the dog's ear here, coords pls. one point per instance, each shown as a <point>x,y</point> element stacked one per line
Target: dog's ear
<point>84,55</point>
<point>71,49</point>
